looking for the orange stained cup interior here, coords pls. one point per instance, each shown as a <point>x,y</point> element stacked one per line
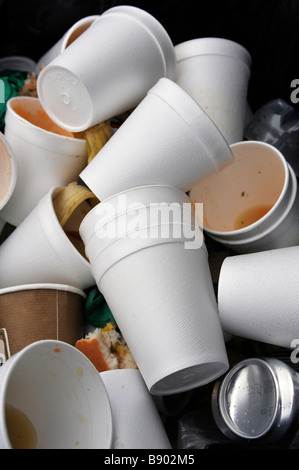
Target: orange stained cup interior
<point>5,170</point>
<point>32,111</point>
<point>78,31</point>
<point>243,192</point>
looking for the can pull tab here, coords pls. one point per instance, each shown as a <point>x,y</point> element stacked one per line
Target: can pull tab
<point>4,346</point>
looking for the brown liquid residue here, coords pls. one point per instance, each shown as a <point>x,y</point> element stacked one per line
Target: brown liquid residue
<point>39,118</point>
<point>21,432</point>
<point>78,32</point>
<point>251,215</point>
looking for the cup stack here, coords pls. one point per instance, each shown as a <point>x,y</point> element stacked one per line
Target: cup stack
<point>161,151</point>
<point>180,147</point>
<point>159,291</point>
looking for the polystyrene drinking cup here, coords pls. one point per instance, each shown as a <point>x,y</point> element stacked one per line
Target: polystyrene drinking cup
<point>52,397</point>
<point>216,72</point>
<point>67,39</point>
<point>107,70</point>
<point>39,251</point>
<point>252,205</point>
<point>167,140</point>
<point>45,156</point>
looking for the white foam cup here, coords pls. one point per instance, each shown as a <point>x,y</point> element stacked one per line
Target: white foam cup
<point>45,156</point>
<point>39,251</point>
<point>258,296</point>
<point>107,70</point>
<point>133,202</point>
<point>8,171</point>
<point>216,72</point>
<point>52,397</point>
<point>160,291</point>
<point>136,421</point>
<point>66,40</point>
<point>168,140</point>
<point>252,205</point>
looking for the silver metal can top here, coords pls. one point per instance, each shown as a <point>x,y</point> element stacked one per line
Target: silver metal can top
<point>258,398</point>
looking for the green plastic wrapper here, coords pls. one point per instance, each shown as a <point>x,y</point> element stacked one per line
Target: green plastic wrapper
<point>11,84</point>
<point>96,309</point>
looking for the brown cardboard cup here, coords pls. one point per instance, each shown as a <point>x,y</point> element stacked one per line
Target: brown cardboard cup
<point>32,313</point>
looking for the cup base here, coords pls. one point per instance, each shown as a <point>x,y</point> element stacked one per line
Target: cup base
<point>65,98</point>
<point>189,378</point>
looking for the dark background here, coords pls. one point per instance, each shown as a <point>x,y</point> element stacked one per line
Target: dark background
<point>269,29</point>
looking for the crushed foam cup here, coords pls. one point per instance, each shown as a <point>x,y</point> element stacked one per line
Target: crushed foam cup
<point>122,55</point>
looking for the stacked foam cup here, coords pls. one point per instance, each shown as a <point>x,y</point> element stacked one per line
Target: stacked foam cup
<point>153,272</point>
<point>159,290</point>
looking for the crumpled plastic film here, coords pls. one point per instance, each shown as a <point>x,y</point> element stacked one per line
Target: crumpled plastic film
<point>12,83</point>
<point>96,309</point>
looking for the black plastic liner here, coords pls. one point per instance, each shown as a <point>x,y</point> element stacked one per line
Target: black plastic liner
<point>267,28</point>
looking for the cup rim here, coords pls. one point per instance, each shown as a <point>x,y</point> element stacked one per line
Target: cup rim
<point>48,200</point>
<point>196,119</point>
<point>41,286</point>
<point>78,266</point>
<point>36,128</point>
<point>288,176</point>
<point>14,172</point>
<point>87,19</point>
<point>41,344</point>
<point>133,190</point>
<point>212,46</point>
<point>30,67</point>
<point>156,30</point>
